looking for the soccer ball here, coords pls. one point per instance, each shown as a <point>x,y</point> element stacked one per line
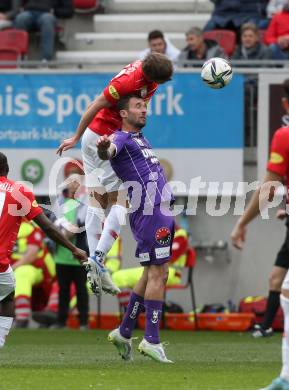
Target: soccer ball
<point>217,73</point>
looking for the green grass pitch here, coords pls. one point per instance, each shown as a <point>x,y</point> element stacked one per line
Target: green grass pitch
<point>74,360</point>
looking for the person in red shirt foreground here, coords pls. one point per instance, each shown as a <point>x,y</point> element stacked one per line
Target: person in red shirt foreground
<point>277,172</point>
<point>102,118</point>
<point>16,202</point>
<point>277,34</point>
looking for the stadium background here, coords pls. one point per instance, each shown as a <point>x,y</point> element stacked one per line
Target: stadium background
<point>229,275</point>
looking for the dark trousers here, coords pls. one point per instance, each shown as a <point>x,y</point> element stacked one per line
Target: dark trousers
<point>66,274</point>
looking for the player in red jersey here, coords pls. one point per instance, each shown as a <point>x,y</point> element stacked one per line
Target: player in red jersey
<point>16,202</point>
<point>277,173</point>
<point>102,117</point>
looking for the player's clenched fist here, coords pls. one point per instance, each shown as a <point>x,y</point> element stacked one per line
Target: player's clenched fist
<point>103,143</point>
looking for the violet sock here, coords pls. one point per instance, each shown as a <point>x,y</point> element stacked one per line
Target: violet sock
<point>153,316</point>
<point>134,308</point>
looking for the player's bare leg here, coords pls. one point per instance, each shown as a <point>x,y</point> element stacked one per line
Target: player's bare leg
<point>6,317</point>
<point>122,336</point>
<point>154,299</point>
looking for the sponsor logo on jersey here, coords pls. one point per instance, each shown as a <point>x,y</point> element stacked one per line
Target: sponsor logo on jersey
<point>161,253</point>
<point>276,158</point>
<point>113,92</point>
<point>163,236</point>
<point>34,203</point>
<point>144,256</point>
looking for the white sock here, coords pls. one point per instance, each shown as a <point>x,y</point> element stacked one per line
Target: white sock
<point>285,342</point>
<point>112,226</point>
<point>93,224</point>
<point>5,326</point>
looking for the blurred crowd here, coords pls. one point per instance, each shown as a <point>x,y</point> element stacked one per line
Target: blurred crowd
<point>259,29</point>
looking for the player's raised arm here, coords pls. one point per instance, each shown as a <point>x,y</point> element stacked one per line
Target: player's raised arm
<point>99,103</point>
<point>259,199</point>
<point>55,234</point>
<point>105,148</point>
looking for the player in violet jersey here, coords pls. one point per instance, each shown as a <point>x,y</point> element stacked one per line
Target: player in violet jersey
<point>151,223</point>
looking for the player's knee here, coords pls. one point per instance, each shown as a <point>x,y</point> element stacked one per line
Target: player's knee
<point>97,198</point>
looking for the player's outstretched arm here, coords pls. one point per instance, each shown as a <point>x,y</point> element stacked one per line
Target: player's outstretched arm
<point>99,103</point>
<point>258,201</point>
<point>55,234</point>
<point>105,149</point>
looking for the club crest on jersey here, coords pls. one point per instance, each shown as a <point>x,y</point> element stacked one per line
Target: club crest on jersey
<point>144,92</point>
<point>163,236</point>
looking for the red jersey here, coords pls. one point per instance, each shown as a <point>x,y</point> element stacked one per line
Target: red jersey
<point>278,27</point>
<point>16,202</point>
<point>279,156</point>
<point>130,79</point>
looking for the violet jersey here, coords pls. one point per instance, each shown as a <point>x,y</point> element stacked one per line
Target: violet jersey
<point>138,167</point>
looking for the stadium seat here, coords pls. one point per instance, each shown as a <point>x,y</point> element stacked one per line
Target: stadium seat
<point>14,39</point>
<point>225,38</point>
<point>190,264</point>
<point>86,6</point>
<point>9,54</point>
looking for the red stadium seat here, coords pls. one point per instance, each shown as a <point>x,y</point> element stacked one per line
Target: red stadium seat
<point>86,5</point>
<point>225,38</point>
<point>14,39</point>
<point>9,54</point>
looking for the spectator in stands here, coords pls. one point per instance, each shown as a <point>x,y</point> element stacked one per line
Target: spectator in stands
<point>199,48</point>
<point>251,48</point>
<point>8,10</point>
<point>41,16</point>
<point>232,14</point>
<point>277,35</point>
<point>273,7</point>
<point>160,44</point>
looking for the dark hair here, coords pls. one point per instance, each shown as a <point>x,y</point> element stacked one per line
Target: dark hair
<point>123,102</point>
<point>4,167</point>
<point>155,34</point>
<point>286,88</point>
<point>157,67</point>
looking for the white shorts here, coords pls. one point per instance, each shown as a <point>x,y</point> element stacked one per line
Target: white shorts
<point>7,283</point>
<point>98,173</point>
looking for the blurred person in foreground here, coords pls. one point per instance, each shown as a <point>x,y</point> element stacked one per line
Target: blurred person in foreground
<point>158,43</point>
<point>71,220</point>
<point>199,48</point>
<point>277,174</point>
<point>17,202</point>
<point>34,271</point>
